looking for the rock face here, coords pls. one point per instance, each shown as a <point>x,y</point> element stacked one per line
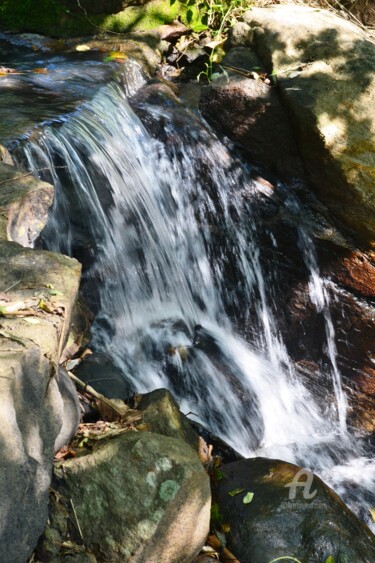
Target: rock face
<point>308,522</point>
<point>39,410</point>
<point>325,69</point>
<point>250,112</point>
<point>138,497</point>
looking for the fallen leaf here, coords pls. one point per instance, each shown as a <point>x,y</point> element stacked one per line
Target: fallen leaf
<point>248,498</point>
<point>83,48</point>
<point>117,56</point>
<point>235,492</point>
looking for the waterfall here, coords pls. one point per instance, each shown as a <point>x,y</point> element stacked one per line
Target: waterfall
<point>170,229</point>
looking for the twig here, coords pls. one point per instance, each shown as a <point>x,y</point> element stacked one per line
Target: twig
<point>76,519</point>
<point>94,24</point>
<point>12,337</point>
<point>16,178</point>
<point>11,286</point>
<point>99,396</point>
<point>27,174</point>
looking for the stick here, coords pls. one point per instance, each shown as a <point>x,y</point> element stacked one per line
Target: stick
<point>99,396</point>
<point>76,519</point>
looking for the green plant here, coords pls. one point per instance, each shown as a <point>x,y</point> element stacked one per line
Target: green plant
<point>218,16</point>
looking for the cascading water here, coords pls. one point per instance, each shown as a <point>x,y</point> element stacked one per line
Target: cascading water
<point>172,234</point>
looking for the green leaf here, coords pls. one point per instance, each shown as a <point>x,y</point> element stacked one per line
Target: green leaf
<point>330,559</point>
<point>55,292</point>
<point>248,498</point>
<point>235,492</point>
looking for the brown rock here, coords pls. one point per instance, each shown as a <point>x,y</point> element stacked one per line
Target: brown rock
<point>249,112</point>
<point>356,273</point>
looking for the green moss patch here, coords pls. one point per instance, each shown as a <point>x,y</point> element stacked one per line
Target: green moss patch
<point>54,18</point>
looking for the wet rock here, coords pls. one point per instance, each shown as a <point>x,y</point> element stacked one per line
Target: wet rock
<point>249,112</point>
<point>24,205</point>
<point>138,497</point>
<point>355,272</point>
<point>306,338</point>
<point>307,521</point>
<point>39,408</point>
<point>325,68</point>
<point>100,371</point>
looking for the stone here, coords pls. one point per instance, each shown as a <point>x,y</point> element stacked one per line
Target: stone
<point>325,69</point>
<point>163,416</point>
<point>100,371</point>
<point>239,35</point>
<point>24,205</point>
<point>250,113</point>
<point>39,408</point>
<point>5,156</point>
<point>308,522</point>
<point>356,272</point>
<point>137,497</point>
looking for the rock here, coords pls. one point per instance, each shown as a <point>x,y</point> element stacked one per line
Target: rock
<point>99,371</point>
<point>249,112</point>
<point>163,416</point>
<point>138,497</point>
<point>308,522</point>
<point>239,35</point>
<point>325,69</point>
<point>24,204</point>
<point>39,409</point>
<point>5,156</point>
<point>355,272</point>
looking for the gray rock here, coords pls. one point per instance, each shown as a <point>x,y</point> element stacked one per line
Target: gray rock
<point>5,156</point>
<point>38,408</point>
<point>140,497</point>
<point>310,523</point>
<point>240,34</point>
<point>24,204</point>
<point>326,75</point>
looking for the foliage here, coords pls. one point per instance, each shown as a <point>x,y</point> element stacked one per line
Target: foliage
<point>218,16</point>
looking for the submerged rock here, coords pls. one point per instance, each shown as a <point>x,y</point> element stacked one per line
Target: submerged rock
<point>291,513</point>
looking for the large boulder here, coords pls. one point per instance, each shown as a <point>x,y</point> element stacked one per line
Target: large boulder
<point>292,514</point>
<point>325,69</point>
<point>39,409</point>
<point>250,112</point>
<point>137,497</point>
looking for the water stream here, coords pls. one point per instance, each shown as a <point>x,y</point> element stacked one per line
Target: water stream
<point>167,219</point>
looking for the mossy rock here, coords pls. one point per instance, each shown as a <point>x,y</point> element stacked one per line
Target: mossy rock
<point>62,19</point>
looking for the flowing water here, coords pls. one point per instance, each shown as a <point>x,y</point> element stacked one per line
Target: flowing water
<point>167,219</point>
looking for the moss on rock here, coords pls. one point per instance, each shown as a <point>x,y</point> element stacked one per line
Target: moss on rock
<point>56,18</point>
